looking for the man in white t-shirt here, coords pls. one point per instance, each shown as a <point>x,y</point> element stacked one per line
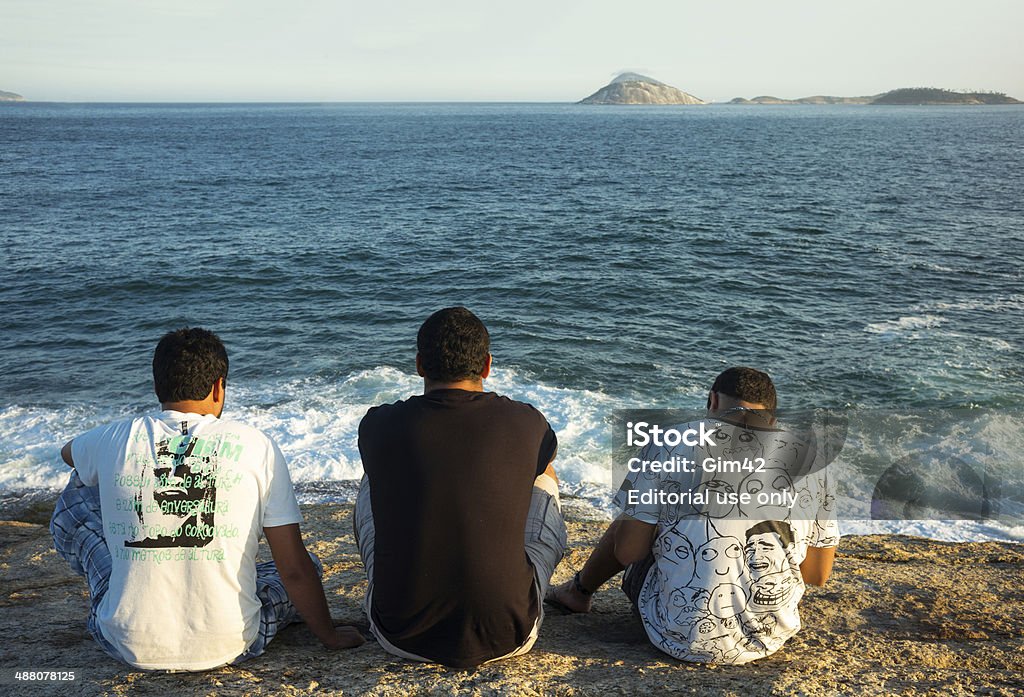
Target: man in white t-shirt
<point>717,552</point>
<point>163,516</point>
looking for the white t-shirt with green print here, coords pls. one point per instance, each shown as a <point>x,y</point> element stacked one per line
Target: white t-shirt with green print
<point>184,500</point>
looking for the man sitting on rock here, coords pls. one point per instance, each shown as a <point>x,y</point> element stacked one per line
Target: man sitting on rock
<point>457,520</point>
<point>163,515</point>
<point>716,570</point>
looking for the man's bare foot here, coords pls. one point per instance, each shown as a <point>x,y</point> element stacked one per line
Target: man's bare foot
<point>566,596</point>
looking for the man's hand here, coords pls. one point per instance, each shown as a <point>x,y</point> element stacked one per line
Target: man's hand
<point>343,637</point>
<point>302,583</point>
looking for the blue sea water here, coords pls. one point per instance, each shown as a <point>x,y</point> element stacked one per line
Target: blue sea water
<point>867,257</point>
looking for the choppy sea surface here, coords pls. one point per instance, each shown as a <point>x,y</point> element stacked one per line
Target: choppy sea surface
<point>869,258</point>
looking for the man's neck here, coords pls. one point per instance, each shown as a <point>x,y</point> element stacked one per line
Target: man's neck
<point>201,407</point>
<point>745,414</point>
<point>471,385</point>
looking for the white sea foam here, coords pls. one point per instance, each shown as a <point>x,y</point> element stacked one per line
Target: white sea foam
<point>986,304</point>
<point>30,442</point>
<point>315,421</point>
<point>904,324</point>
<point>939,446</point>
<point>948,530</point>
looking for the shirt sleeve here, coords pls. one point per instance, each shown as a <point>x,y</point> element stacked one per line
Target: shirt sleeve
<point>637,496</point>
<point>825,528</point>
<point>103,445</point>
<point>548,448</point>
<point>281,507</point>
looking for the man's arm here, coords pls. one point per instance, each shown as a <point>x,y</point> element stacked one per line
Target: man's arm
<point>633,539</point>
<point>304,587</point>
<point>65,453</point>
<point>817,566</point>
<point>625,541</point>
<point>550,470</point>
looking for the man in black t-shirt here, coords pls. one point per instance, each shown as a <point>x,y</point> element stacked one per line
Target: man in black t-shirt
<point>458,520</point>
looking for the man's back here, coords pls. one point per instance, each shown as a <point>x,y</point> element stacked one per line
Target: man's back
<point>451,475</point>
<point>184,498</point>
<point>725,581</point>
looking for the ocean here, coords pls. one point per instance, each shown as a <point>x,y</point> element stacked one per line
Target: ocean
<point>869,258</point>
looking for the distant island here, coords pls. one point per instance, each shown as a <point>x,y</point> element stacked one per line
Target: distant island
<point>631,88</point>
<point>10,97</point>
<point>907,96</point>
<point>932,95</point>
<point>817,99</point>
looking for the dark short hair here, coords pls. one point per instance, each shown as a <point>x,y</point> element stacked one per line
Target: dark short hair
<point>453,344</point>
<point>779,527</point>
<point>748,385</point>
<point>186,363</point>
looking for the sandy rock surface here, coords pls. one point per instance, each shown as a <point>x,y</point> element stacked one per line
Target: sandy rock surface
<point>900,616</point>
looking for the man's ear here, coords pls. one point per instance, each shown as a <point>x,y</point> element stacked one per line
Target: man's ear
<point>219,387</point>
<point>419,366</point>
<point>487,368</point>
<point>712,401</point>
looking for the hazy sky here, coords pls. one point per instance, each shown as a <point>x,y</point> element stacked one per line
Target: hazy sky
<point>527,50</point>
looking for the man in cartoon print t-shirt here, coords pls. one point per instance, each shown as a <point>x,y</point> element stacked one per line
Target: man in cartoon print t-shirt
<point>718,582</point>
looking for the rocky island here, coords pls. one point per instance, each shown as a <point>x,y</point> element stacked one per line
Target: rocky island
<point>631,88</point>
<point>932,95</point>
<point>817,99</point>
<point>10,97</point>
<point>904,96</point>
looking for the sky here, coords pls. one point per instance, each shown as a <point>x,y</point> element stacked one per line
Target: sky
<point>473,50</point>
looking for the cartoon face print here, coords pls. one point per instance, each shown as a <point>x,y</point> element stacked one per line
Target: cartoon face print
<point>675,551</point>
<point>687,607</point>
<point>744,444</point>
<point>720,559</point>
<point>764,554</point>
<point>804,499</point>
<point>683,553</point>
<point>670,513</point>
<point>727,600</point>
<point>790,453</point>
<point>760,626</point>
<point>753,644</point>
<point>768,482</point>
<point>714,649</point>
<point>664,542</point>
<point>770,479</point>
<point>773,591</point>
<point>710,490</point>
<point>722,437</point>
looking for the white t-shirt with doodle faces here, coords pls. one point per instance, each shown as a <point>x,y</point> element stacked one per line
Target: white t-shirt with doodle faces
<point>725,582</point>
<point>184,500</point>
